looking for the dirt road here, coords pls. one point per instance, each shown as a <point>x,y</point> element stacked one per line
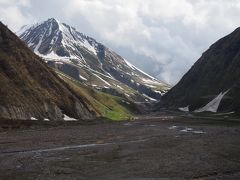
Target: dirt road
<point>164,147</point>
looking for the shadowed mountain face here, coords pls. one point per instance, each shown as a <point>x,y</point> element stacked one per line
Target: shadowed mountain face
<point>217,71</point>
<point>86,60</point>
<point>31,90</point>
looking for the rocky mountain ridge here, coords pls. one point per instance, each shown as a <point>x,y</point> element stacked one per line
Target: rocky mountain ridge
<point>90,62</point>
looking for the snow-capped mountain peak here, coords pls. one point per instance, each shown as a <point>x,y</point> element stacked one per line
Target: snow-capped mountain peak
<point>55,40</point>
<point>83,58</point>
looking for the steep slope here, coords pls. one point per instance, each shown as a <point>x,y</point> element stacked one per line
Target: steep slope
<point>89,61</point>
<point>213,83</point>
<point>111,107</point>
<point>31,90</point>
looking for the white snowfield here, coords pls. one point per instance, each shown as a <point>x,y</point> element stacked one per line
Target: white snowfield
<point>213,105</point>
<point>70,40</point>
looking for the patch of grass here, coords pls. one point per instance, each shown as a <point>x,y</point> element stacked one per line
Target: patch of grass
<point>108,106</point>
<point>113,108</point>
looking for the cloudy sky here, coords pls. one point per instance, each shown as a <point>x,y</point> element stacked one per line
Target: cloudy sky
<point>162,37</point>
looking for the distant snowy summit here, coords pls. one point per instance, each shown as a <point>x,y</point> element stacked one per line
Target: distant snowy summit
<point>86,60</point>
<point>54,40</point>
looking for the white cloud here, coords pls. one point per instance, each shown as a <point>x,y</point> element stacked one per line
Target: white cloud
<point>13,15</point>
<point>172,33</point>
<point>163,37</point>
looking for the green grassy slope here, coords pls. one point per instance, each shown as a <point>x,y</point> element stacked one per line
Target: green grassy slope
<point>112,107</point>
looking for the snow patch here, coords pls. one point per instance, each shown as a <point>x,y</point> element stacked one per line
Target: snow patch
<point>103,80</point>
<point>159,92</point>
<point>135,68</point>
<point>59,62</point>
<point>129,64</point>
<point>38,45</point>
<point>127,95</point>
<point>151,86</point>
<point>152,99</point>
<point>67,118</point>
<point>126,102</point>
<point>87,45</point>
<point>213,105</point>
<point>151,82</point>
<point>83,78</point>
<point>119,87</point>
<point>184,109</point>
<point>33,119</point>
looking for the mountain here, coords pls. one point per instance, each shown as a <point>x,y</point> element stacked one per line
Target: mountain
<point>29,89</point>
<point>90,62</point>
<point>213,83</point>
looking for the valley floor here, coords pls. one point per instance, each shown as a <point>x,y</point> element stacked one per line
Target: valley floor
<point>162,147</point>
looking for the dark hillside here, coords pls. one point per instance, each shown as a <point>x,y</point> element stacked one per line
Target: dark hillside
<point>28,88</point>
<point>218,70</point>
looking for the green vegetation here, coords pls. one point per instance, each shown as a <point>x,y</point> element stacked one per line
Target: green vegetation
<point>108,106</point>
